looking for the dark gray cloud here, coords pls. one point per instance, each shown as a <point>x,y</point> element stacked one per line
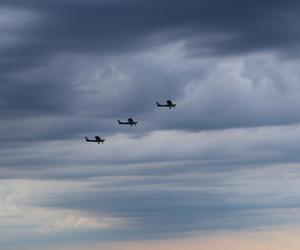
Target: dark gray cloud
<point>87,96</point>
<point>114,25</point>
<point>54,41</point>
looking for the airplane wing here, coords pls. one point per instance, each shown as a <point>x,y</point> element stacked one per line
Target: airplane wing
<point>127,123</point>
<point>88,140</point>
<point>120,122</point>
<point>161,105</point>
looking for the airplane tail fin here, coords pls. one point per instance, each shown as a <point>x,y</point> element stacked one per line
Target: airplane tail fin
<point>86,139</point>
<point>119,121</point>
<point>157,104</point>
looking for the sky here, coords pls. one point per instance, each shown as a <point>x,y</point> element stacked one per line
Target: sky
<point>221,171</point>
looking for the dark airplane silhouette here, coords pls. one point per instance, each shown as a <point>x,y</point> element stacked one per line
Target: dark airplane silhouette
<point>130,122</point>
<point>97,139</point>
<point>168,105</point>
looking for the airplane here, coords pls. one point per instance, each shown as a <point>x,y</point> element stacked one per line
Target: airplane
<point>130,122</point>
<point>97,139</point>
<point>169,104</point>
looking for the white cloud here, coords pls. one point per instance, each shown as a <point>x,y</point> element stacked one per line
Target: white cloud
<point>19,212</point>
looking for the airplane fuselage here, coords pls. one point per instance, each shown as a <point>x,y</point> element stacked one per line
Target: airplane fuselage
<point>169,104</point>
<point>130,122</point>
<point>97,139</point>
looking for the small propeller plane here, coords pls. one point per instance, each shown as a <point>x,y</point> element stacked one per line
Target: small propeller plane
<point>97,139</point>
<point>169,104</point>
<point>129,122</point>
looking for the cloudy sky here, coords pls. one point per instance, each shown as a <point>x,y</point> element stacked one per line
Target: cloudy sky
<point>221,171</point>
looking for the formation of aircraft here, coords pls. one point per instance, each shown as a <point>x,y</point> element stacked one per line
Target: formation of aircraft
<point>97,139</point>
<point>130,122</point>
<point>169,104</point>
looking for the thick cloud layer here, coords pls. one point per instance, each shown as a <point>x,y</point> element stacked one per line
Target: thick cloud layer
<point>107,26</point>
<point>87,96</point>
<point>74,61</point>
